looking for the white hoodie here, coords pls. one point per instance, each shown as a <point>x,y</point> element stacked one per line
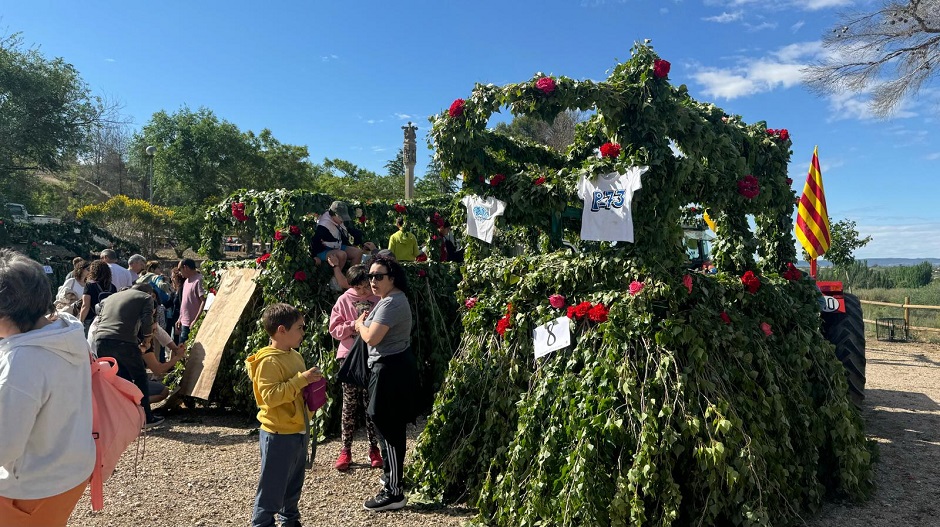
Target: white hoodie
<point>46,447</point>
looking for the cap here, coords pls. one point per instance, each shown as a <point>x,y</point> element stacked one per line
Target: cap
<point>340,208</point>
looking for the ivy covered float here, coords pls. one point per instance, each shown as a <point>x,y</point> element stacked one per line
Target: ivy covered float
<point>684,398</point>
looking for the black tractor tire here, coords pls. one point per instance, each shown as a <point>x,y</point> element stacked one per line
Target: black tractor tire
<point>847,332</point>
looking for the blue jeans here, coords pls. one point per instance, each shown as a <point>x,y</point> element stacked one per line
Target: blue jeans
<point>283,460</point>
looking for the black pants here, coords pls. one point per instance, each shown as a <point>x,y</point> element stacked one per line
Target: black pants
<point>391,407</point>
<point>130,366</point>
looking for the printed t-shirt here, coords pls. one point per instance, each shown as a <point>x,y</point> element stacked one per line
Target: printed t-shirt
<point>192,297</point>
<point>607,212</point>
<point>481,216</point>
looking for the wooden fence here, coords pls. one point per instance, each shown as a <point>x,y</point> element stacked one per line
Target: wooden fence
<point>907,307</point>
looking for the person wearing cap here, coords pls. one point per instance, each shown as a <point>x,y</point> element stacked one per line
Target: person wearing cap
<point>331,242</point>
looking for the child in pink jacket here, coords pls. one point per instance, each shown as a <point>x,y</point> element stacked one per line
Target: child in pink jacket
<point>352,303</point>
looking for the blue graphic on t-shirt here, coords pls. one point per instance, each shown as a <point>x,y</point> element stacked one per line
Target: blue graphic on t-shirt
<point>481,213</point>
<point>607,199</point>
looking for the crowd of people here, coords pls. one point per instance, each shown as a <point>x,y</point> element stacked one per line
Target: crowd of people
<point>142,318</point>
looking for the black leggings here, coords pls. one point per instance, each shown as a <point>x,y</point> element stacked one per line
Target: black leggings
<point>130,366</point>
<point>391,407</point>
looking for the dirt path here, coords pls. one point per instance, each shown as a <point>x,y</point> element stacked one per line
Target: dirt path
<point>202,467</point>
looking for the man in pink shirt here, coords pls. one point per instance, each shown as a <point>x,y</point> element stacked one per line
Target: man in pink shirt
<point>193,297</point>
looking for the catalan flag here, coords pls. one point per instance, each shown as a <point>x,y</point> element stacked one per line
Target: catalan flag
<point>812,219</point>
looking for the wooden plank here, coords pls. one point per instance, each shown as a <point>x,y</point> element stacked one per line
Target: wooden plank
<point>889,304</point>
<point>205,352</point>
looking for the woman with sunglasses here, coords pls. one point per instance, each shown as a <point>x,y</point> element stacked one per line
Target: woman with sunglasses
<point>387,332</point>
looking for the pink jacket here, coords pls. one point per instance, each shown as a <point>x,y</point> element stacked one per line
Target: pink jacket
<point>347,309</point>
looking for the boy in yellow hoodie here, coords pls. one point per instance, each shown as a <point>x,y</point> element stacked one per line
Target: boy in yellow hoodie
<point>278,375</point>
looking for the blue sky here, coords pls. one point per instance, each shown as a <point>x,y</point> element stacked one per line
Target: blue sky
<point>343,77</point>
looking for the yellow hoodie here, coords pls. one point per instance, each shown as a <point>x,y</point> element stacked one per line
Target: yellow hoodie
<point>277,379</point>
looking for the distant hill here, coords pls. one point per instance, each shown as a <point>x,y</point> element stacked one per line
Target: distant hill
<point>881,262</point>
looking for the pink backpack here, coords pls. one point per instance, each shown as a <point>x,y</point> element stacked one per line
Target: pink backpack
<point>117,418</point>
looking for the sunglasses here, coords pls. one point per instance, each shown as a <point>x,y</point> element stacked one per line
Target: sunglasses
<point>377,277</point>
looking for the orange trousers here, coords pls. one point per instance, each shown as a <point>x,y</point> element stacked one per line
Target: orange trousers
<point>53,511</point>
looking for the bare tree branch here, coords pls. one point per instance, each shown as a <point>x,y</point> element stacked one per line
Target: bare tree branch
<point>892,52</point>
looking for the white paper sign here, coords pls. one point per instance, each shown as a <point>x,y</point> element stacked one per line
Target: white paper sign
<point>47,269</point>
<point>551,336</point>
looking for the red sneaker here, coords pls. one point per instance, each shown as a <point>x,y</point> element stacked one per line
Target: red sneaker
<point>343,461</point>
<point>375,457</point>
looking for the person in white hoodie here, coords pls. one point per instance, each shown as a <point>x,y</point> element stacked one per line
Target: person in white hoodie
<point>47,451</point>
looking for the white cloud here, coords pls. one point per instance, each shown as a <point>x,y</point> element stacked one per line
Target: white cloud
<point>780,69</point>
<point>796,27</point>
<point>327,58</point>
<point>816,5</point>
<point>858,106</point>
<point>805,5</point>
<point>110,60</point>
<point>378,149</point>
<point>933,156</point>
<point>664,10</point>
<point>725,18</point>
<point>914,238</point>
<point>375,121</point>
<point>403,116</point>
<point>754,28</point>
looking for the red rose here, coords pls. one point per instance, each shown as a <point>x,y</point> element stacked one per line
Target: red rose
<point>422,258</point>
<point>238,211</point>
<point>792,273</point>
<point>263,258</point>
<point>278,235</point>
<point>539,181</point>
<point>610,150</point>
<point>503,324</point>
<point>35,244</point>
<point>294,230</point>
<point>300,276</point>
<point>598,313</point>
<point>362,219</point>
<point>771,131</point>
<point>725,318</point>
<point>661,68</point>
<point>784,134</point>
<point>751,282</point>
<point>422,273</point>
<point>456,108</point>
<point>497,179</point>
<point>748,187</point>
<point>399,208</point>
<point>546,85</point>
<point>579,311</point>
<point>789,181</point>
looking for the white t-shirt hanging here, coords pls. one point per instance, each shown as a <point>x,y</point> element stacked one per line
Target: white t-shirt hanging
<point>481,216</point>
<point>607,212</point>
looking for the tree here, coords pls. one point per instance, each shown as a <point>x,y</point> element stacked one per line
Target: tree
<point>844,240</point>
<point>342,178</point>
<point>134,220</point>
<point>892,51</point>
<point>278,165</point>
<point>557,135</point>
<point>46,113</point>
<point>396,167</point>
<point>435,182</point>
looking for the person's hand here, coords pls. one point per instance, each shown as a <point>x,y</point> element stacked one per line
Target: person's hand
<point>178,325</point>
<point>331,260</point>
<point>369,246</point>
<point>313,374</point>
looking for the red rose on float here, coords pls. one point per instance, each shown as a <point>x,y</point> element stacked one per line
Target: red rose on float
<point>399,208</point>
<point>610,150</point>
<point>687,282</point>
<point>300,276</point>
<point>470,302</point>
<point>661,68</point>
<point>422,258</point>
<point>751,282</point>
<point>456,108</point>
<point>748,187</point>
<point>545,85</point>
<point>503,324</point>
<point>784,134</point>
<point>792,273</point>
<point>598,313</point>
<point>771,132</point>
<point>238,211</point>
<point>538,182</point>
<point>579,311</point>
<point>362,219</point>
<point>557,301</point>
<point>497,179</point>
<point>213,290</point>
<point>636,287</point>
<point>422,273</point>
<point>278,235</point>
<point>789,181</point>
<point>765,327</point>
<point>263,258</point>
<point>725,317</point>
<point>294,230</point>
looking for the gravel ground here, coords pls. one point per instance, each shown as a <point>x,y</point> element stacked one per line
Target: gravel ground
<point>201,467</point>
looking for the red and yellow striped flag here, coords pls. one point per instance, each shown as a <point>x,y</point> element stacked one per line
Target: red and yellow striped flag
<point>812,218</point>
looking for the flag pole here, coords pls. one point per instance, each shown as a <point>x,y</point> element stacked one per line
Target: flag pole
<point>812,268</point>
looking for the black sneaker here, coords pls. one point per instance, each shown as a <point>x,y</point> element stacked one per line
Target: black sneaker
<point>386,501</point>
<point>155,422</point>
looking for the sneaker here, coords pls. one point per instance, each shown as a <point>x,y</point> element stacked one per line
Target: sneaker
<point>343,461</point>
<point>153,423</point>
<point>375,457</point>
<point>385,501</point>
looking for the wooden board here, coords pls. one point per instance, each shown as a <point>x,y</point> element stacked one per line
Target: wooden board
<point>205,351</point>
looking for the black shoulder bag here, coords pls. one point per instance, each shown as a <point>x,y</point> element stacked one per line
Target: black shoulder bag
<point>355,368</point>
